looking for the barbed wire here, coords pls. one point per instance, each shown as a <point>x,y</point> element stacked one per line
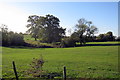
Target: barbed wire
<point>60,69</point>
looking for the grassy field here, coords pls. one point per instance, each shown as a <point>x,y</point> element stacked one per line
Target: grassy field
<point>112,42</point>
<point>84,62</point>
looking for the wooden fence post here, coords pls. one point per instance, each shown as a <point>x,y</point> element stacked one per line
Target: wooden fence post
<point>14,68</point>
<point>64,73</point>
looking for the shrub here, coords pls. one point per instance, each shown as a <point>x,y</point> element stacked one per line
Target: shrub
<point>36,67</point>
<point>68,42</point>
<point>10,38</point>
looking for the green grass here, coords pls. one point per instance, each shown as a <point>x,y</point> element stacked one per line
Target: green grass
<point>37,43</point>
<point>114,42</point>
<point>86,62</point>
<point>28,37</point>
<point>29,40</point>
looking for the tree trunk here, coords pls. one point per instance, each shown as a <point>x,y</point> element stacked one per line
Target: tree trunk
<point>81,39</point>
<point>81,43</point>
<point>35,39</point>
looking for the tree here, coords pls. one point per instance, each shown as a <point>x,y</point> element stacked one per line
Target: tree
<point>82,27</point>
<point>106,37</point>
<point>47,28</point>
<point>85,30</point>
<point>33,26</point>
<point>68,42</point>
<point>75,37</point>
<point>4,34</point>
<point>110,36</point>
<point>9,38</point>
<point>51,31</point>
<point>101,37</point>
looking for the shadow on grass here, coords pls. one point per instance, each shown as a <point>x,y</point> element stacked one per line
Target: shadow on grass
<point>23,47</point>
<point>62,79</point>
<point>98,45</point>
<point>29,46</point>
<point>43,46</point>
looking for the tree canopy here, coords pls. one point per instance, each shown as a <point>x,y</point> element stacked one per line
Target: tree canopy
<point>84,30</point>
<point>46,28</point>
<point>106,37</point>
<point>9,38</point>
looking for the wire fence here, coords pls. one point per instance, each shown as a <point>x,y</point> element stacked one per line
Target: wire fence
<point>21,69</point>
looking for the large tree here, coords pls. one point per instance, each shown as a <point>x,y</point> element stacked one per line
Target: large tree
<point>85,30</point>
<point>33,26</point>
<point>47,28</point>
<point>52,30</point>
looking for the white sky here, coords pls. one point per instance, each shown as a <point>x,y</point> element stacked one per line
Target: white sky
<point>13,17</point>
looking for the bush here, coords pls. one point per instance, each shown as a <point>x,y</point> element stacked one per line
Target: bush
<point>15,39</point>
<point>68,42</point>
<point>10,38</point>
<point>36,67</point>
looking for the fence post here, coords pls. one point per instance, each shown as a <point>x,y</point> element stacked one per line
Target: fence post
<point>64,73</point>
<point>14,68</point>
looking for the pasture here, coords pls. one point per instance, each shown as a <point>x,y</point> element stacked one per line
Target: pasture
<point>81,62</point>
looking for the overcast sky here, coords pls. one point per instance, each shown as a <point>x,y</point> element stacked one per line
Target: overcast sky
<point>104,15</point>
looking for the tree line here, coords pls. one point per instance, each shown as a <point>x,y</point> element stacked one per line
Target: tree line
<point>47,29</point>
<point>10,38</point>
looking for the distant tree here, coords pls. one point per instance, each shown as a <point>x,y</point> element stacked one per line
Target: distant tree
<point>85,30</point>
<point>9,38</point>
<point>75,36</point>
<point>68,42</point>
<point>4,34</point>
<point>106,37</point>
<point>15,39</point>
<point>101,37</point>
<point>110,36</point>
<point>81,29</point>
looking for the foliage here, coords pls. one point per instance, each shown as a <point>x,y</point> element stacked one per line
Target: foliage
<point>10,38</point>
<point>28,37</point>
<point>75,36</point>
<point>84,30</point>
<point>37,44</point>
<point>68,42</point>
<point>47,28</point>
<point>106,37</point>
<point>33,26</point>
<point>36,67</point>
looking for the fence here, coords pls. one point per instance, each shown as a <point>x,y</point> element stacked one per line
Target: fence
<point>50,76</point>
<point>15,70</point>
